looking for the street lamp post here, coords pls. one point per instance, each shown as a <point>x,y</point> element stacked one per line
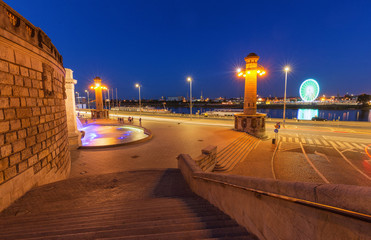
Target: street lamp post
<point>140,103</point>
<point>109,100</point>
<point>284,98</point>
<point>78,96</point>
<point>189,79</point>
<point>87,92</point>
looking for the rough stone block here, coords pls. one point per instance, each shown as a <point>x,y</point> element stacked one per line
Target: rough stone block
<point>11,137</point>
<point>6,150</point>
<point>19,91</point>
<point>37,167</point>
<point>27,82</point>
<point>32,160</point>
<point>39,75</point>
<point>30,141</point>
<point>32,74</point>
<point>2,179</point>
<point>2,117</point>
<point>6,78</point>
<point>31,102</point>
<point>19,145</point>
<point>15,102</point>
<point>36,111</point>
<point>4,127</point>
<point>4,163</point>
<point>4,66</point>
<point>33,92</point>
<point>5,90</point>
<point>22,166</point>
<point>26,122</point>
<point>9,114</point>
<point>26,154</point>
<point>24,113</point>
<point>36,65</point>
<point>23,102</point>
<point>22,133</point>
<point>4,102</point>
<point>18,80</point>
<point>14,69</point>
<point>14,159</point>
<point>24,71</point>
<point>15,124</point>
<point>22,59</point>
<point>41,137</point>
<point>6,53</point>
<point>10,172</point>
<point>31,131</point>
<point>36,148</point>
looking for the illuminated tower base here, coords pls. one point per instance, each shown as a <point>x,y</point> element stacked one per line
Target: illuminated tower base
<point>251,122</point>
<point>99,112</point>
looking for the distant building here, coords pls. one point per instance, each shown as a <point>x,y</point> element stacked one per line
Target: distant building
<point>179,98</point>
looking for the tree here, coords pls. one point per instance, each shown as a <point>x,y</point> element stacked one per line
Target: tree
<point>364,99</point>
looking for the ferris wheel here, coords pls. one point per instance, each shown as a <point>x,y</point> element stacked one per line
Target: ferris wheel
<point>309,90</point>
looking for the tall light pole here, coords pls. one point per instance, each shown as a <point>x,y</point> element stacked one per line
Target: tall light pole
<point>87,92</point>
<point>109,100</point>
<point>189,79</point>
<point>284,98</point>
<point>78,100</point>
<point>140,103</point>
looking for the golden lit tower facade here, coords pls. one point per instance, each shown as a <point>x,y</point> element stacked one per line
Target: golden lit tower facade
<point>99,112</point>
<point>251,121</point>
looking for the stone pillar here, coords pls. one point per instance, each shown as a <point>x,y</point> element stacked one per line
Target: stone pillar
<point>98,94</point>
<point>74,135</point>
<point>250,121</point>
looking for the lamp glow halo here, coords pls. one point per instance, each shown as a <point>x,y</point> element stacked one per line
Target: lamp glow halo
<point>309,90</point>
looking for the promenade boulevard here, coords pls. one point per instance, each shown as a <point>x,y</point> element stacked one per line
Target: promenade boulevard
<point>318,152</point>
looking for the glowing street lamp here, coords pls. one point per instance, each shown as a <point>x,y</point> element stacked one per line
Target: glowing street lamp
<point>189,79</point>
<point>287,69</point>
<point>140,104</point>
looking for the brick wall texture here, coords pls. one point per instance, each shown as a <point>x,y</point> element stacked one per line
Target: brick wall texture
<point>33,127</point>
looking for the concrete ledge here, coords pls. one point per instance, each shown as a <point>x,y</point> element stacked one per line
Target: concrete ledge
<point>273,209</point>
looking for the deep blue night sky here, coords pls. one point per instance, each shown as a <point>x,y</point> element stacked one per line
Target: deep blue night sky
<point>159,43</point>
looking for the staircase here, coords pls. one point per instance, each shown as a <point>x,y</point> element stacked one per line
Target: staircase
<point>149,204</point>
<point>235,152</point>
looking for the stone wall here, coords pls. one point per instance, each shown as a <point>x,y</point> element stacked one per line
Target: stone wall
<point>273,209</point>
<point>33,129</point>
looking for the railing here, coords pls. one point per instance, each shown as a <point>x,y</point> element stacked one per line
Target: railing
<point>273,209</point>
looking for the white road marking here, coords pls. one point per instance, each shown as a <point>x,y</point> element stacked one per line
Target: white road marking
<point>325,142</point>
<point>297,140</point>
<point>317,142</point>
<point>332,143</point>
<point>310,141</point>
<point>350,163</point>
<point>322,155</point>
<point>358,146</point>
<point>341,145</point>
<point>312,165</point>
<point>348,145</point>
<point>303,140</point>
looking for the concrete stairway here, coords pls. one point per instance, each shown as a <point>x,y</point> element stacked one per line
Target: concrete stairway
<point>152,204</point>
<point>235,152</point>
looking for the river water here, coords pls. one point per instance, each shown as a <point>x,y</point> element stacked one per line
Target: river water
<point>301,114</point>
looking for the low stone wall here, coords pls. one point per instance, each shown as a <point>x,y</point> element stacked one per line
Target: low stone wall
<point>273,209</point>
<point>33,129</point>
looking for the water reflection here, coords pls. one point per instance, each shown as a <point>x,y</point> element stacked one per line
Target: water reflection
<point>307,114</point>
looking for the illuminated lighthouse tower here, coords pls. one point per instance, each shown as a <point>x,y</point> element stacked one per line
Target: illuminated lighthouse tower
<point>251,121</point>
<point>99,112</point>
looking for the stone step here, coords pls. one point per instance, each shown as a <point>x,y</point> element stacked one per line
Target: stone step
<point>171,232</point>
<point>146,216</point>
<point>68,225</point>
<point>224,233</point>
<point>133,217</point>
<point>120,229</point>
<point>129,207</point>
